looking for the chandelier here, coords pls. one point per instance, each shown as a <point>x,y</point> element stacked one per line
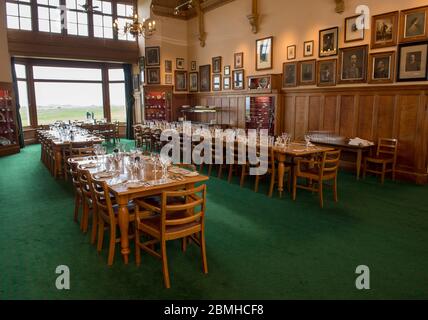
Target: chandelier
<point>136,28</point>
<point>183,7</point>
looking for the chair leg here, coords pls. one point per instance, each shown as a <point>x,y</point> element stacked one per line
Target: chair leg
<point>393,173</point>
<point>243,168</point>
<point>76,207</point>
<point>383,173</point>
<point>335,189</point>
<point>294,187</point>
<point>112,245</point>
<point>85,217</point>
<point>229,178</point>
<point>256,184</point>
<point>365,168</point>
<point>272,185</point>
<point>184,244</point>
<point>137,247</point>
<point>100,234</point>
<point>165,265</point>
<point>220,171</point>
<point>94,226</point>
<point>210,167</point>
<point>203,252</point>
<point>320,192</point>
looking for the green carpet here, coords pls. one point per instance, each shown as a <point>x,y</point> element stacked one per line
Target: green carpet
<point>258,248</point>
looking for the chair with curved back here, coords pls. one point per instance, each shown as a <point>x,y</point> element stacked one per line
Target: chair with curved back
<point>386,155</point>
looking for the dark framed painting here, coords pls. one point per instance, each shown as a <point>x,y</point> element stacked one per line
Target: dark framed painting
<point>152,56</point>
<point>238,60</point>
<point>384,30</point>
<point>307,72</point>
<point>326,73</point>
<point>412,62</point>
<point>353,64</point>
<point>264,53</point>
<point>308,48</point>
<point>216,82</point>
<point>193,82</point>
<point>414,24</point>
<point>205,78</point>
<point>382,67</point>
<point>329,42</point>
<point>289,74</point>
<point>168,78</point>
<point>180,80</point>
<point>216,62</point>
<point>168,66</point>
<point>227,70</point>
<point>193,65</point>
<point>153,75</point>
<point>291,52</point>
<point>179,63</point>
<point>226,83</point>
<point>238,80</point>
<point>353,32</point>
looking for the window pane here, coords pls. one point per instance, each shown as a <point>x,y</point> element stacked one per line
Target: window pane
<point>108,21</point>
<point>121,10</point>
<point>108,33</point>
<point>44,25</point>
<point>83,18</point>
<point>12,22</point>
<point>83,30</point>
<point>61,73</point>
<point>55,14</point>
<point>129,11</point>
<point>20,71</point>
<point>25,23</point>
<point>56,26</point>
<point>68,101</point>
<point>71,17</point>
<point>106,7</point>
<point>98,32</point>
<point>25,11</point>
<point>72,28</point>
<point>12,9</point>
<point>23,101</point>
<point>71,4</point>
<point>116,75</point>
<point>43,2</point>
<point>54,3</point>
<point>43,13</point>
<point>98,20</point>
<point>117,102</point>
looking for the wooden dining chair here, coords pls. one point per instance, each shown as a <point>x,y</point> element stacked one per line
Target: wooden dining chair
<point>174,221</point>
<point>107,211</point>
<point>78,197</point>
<point>385,158</point>
<point>317,171</point>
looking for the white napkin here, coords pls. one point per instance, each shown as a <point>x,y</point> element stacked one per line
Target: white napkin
<point>360,142</point>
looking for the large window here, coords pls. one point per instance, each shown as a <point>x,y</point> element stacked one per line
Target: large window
<point>18,14</point>
<point>103,19</point>
<point>125,12</point>
<point>77,18</point>
<point>69,90</point>
<point>49,16</point>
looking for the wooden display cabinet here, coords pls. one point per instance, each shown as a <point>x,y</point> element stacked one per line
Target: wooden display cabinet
<point>9,142</point>
<point>157,103</point>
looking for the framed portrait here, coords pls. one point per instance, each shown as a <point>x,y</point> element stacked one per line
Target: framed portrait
<point>382,67</point>
<point>193,65</point>
<point>179,63</point>
<point>326,73</point>
<point>168,78</point>
<point>216,61</point>
<point>168,66</point>
<point>353,65</point>
<point>238,79</point>
<point>153,75</point>
<point>384,30</point>
<point>180,80</point>
<point>289,74</point>
<point>216,82</point>
<point>205,78</point>
<point>291,52</point>
<point>307,72</point>
<point>193,82</point>
<point>226,83</point>
<point>412,62</point>
<point>414,24</point>
<point>328,42</point>
<point>227,70</point>
<point>308,48</point>
<point>264,53</point>
<point>353,32</point>
<point>152,56</point>
<point>238,60</point>
<point>142,63</point>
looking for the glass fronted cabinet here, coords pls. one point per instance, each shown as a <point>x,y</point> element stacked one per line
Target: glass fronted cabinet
<point>9,143</point>
<point>260,113</point>
<point>157,103</point>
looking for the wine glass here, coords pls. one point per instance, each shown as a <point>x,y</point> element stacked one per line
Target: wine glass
<point>307,139</point>
<point>165,163</point>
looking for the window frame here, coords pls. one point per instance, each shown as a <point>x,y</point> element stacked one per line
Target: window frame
<point>49,7</point>
<point>18,3</point>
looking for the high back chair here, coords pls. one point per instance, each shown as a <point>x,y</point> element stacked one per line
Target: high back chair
<point>88,203</point>
<point>318,171</point>
<point>78,197</point>
<point>173,221</point>
<point>107,217</point>
<point>386,159</point>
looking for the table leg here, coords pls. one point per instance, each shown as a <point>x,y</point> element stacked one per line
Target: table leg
<point>359,159</point>
<point>124,225</point>
<point>281,169</point>
<point>58,163</point>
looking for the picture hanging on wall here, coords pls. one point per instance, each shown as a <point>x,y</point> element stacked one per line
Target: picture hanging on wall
<point>180,80</point>
<point>226,83</point>
<point>227,70</point>
<point>168,78</point>
<point>238,60</point>
<point>307,71</point>
<point>326,72</point>
<point>216,61</point>
<point>216,82</point>
<point>384,30</point>
<point>308,48</point>
<point>353,65</point>
<point>153,75</point>
<point>289,74</point>
<point>238,79</point>
<point>193,81</point>
<point>414,24</point>
<point>328,42</point>
<point>168,66</point>
<point>152,56</point>
<point>205,78</point>
<point>353,31</point>
<point>193,65</point>
<point>291,52</point>
<point>382,67</point>
<point>264,53</point>
<point>180,63</point>
<point>412,62</point>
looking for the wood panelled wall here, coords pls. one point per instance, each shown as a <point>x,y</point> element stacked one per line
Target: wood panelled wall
<point>367,112</point>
